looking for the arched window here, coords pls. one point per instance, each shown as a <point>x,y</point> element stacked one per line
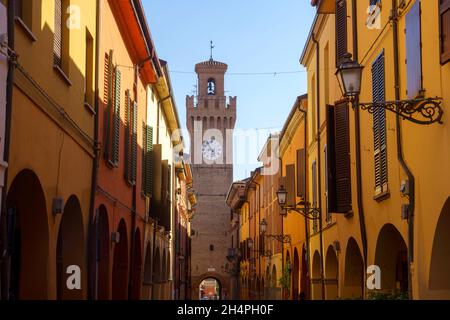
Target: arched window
<point>211,87</point>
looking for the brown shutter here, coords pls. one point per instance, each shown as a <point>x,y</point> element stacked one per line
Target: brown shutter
<point>414,51</point>
<point>106,79</point>
<point>57,35</point>
<point>379,125</point>
<point>301,174</point>
<point>341,30</point>
<point>164,190</point>
<point>290,185</point>
<point>157,182</point>
<point>18,8</point>
<point>314,192</point>
<point>116,118</point>
<point>168,226</point>
<point>342,154</point>
<point>331,161</point>
<point>444,13</point>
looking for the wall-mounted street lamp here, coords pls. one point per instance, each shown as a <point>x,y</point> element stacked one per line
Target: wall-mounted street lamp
<point>421,110</point>
<point>280,238</point>
<point>303,207</point>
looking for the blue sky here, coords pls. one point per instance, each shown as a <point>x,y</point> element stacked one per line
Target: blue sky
<point>251,36</point>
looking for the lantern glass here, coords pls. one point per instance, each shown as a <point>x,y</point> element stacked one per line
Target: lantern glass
<point>349,76</point>
<point>263,226</point>
<point>282,194</point>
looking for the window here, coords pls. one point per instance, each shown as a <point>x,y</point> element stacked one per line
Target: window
<point>414,52</point>
<point>327,73</point>
<point>341,30</point>
<point>379,126</point>
<point>61,37</point>
<point>211,87</point>
<point>314,193</point>
<point>165,194</point>
<point>128,129</point>
<point>301,173</point>
<point>327,185</point>
<point>444,13</point>
<point>133,124</point>
<point>24,11</point>
<point>147,163</point>
<point>89,70</point>
<point>313,86</point>
<point>290,185</point>
<point>112,87</point>
<point>339,195</point>
<point>116,118</point>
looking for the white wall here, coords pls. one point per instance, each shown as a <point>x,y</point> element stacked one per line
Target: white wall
<point>167,154</point>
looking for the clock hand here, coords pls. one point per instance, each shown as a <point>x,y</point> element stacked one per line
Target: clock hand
<point>209,146</point>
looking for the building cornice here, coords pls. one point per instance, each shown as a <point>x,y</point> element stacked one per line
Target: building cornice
<point>317,28</point>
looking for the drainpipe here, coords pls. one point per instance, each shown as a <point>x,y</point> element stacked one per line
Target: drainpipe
<point>401,159</point>
<point>131,283</point>
<point>319,152</point>
<point>4,281</point>
<point>308,251</point>
<point>238,266</point>
<point>254,241</point>
<point>282,233</point>
<point>259,221</point>
<point>249,231</point>
<point>92,253</point>
<point>362,223</point>
<point>155,229</point>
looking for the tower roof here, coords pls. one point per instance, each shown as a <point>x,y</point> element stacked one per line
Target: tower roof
<point>211,65</point>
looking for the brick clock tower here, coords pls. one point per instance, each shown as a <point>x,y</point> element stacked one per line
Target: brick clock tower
<point>211,117</point>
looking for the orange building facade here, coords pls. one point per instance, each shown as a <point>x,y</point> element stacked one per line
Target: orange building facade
<point>121,200</point>
<point>98,191</point>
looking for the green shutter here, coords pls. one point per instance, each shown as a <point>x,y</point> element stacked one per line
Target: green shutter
<point>108,101</point>
<point>148,161</point>
<point>116,119</point>
<point>127,136</point>
<point>144,152</point>
<point>134,144</point>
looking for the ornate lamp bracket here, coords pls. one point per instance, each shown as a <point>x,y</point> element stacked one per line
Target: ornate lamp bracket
<point>281,238</point>
<point>424,111</point>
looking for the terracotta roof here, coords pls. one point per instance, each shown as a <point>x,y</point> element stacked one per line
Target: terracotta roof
<point>211,63</point>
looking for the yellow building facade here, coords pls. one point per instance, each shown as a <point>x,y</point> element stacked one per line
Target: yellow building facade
<point>52,149</point>
<point>386,204</point>
<point>272,248</point>
<point>292,153</point>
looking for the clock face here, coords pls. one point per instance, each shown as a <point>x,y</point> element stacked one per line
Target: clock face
<point>212,149</point>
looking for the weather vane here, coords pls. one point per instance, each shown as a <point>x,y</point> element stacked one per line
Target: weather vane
<point>212,48</point>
